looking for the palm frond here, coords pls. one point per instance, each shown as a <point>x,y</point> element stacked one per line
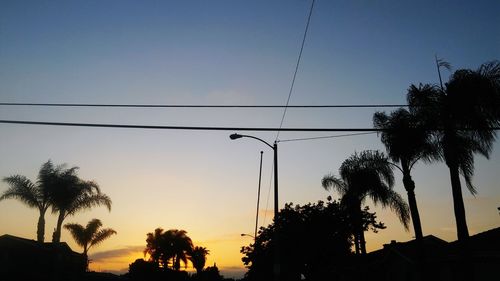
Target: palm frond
<point>101,235</point>
<point>331,182</point>
<point>78,233</point>
<point>22,189</point>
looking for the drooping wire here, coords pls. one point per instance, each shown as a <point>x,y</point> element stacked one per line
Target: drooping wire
<point>327,137</point>
<point>296,67</point>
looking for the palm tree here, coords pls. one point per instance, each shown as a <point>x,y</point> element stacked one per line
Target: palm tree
<point>34,195</point>
<point>406,142</point>
<point>89,236</point>
<point>180,247</point>
<point>363,175</point>
<point>464,113</point>
<point>70,194</point>
<point>198,258</point>
<point>154,247</point>
<point>170,247</point>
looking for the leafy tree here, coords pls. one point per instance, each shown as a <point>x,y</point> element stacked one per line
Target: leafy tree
<point>34,195</point>
<point>70,194</point>
<point>170,247</point>
<point>89,235</point>
<point>199,257</point>
<point>463,114</point>
<point>366,175</point>
<point>406,141</point>
<point>314,241</point>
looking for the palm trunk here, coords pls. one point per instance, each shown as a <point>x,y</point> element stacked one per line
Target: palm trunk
<point>56,237</point>
<point>360,230</point>
<point>40,230</point>
<point>458,203</point>
<point>356,243</point>
<point>409,185</point>
<point>362,241</point>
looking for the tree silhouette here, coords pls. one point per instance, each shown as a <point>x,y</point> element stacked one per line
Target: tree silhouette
<point>406,141</point>
<point>314,241</point>
<point>367,174</point>
<point>180,246</point>
<point>199,257</point>
<point>70,194</point>
<point>464,113</point>
<point>90,235</point>
<point>170,247</point>
<point>34,195</point>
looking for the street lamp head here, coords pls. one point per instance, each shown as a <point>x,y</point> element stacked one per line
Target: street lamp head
<point>235,136</point>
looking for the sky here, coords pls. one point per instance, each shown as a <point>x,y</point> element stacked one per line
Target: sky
<point>224,52</point>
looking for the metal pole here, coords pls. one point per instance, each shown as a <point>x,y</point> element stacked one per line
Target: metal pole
<point>277,269</point>
<point>258,198</point>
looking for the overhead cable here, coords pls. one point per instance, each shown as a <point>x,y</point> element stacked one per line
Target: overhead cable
<point>199,105</point>
<point>202,128</point>
<point>296,67</point>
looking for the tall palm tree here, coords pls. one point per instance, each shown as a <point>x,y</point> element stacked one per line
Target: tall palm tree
<point>366,175</point>
<point>34,195</point>
<point>464,113</point>
<point>70,194</point>
<point>406,142</point>
<point>90,235</point>
<point>199,257</point>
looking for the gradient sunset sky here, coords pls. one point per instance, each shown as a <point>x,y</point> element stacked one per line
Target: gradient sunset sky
<point>224,52</point>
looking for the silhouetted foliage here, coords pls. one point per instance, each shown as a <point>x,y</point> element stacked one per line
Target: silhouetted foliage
<point>169,248</point>
<point>69,194</point>
<point>406,141</point>
<point>89,235</point>
<point>143,270</point>
<point>464,112</point>
<point>314,241</point>
<point>366,175</point>
<point>149,270</point>
<point>211,273</point>
<point>198,258</point>
<point>34,195</point>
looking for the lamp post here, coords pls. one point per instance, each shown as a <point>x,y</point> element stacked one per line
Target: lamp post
<point>249,235</point>
<point>274,147</point>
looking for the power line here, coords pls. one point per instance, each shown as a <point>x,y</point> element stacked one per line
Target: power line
<point>209,128</point>
<point>198,105</point>
<point>191,128</point>
<point>296,66</point>
<point>328,137</point>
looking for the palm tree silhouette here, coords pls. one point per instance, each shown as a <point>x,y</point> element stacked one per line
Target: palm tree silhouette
<point>464,112</point>
<point>199,257</point>
<point>34,195</point>
<point>406,142</point>
<point>170,247</point>
<point>154,241</point>
<point>362,175</point>
<point>180,246</point>
<point>70,194</point>
<point>90,235</point>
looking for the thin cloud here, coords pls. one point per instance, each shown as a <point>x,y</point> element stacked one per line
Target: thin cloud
<point>116,253</point>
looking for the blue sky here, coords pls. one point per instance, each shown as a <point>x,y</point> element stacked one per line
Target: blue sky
<point>224,52</point>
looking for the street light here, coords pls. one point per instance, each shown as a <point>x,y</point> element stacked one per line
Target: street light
<point>275,150</point>
<point>249,235</point>
<point>276,209</point>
